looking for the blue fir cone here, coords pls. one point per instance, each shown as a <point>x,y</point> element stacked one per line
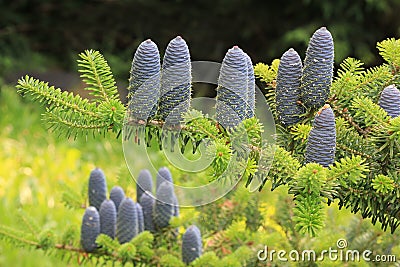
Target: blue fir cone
<point>163,206</point>
<point>191,244</point>
<point>127,221</point>
<point>147,203</point>
<point>176,206</point>
<point>108,218</point>
<point>232,90</point>
<point>163,175</point>
<point>144,81</point>
<point>90,229</point>
<point>144,183</point>
<point>176,80</point>
<point>140,218</point>
<point>390,101</point>
<point>318,69</point>
<point>117,195</point>
<point>321,144</point>
<point>97,188</point>
<point>251,89</point>
<point>288,88</point>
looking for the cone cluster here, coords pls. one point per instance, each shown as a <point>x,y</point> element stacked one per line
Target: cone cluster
<point>121,217</point>
<point>306,85</point>
<point>164,92</point>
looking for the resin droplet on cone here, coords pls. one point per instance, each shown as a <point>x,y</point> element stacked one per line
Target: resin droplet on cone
<point>90,229</point>
<point>191,244</point>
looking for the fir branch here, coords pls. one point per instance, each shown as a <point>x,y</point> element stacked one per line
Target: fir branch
<point>373,80</point>
<point>72,114</point>
<point>309,215</point>
<point>371,113</point>
<point>96,73</point>
<point>351,142</point>
<point>343,112</point>
<point>383,184</point>
<point>49,95</point>
<point>71,198</point>
<point>309,179</point>
<point>283,169</point>
<point>267,73</point>
<point>29,222</point>
<point>17,237</point>
<point>348,77</point>
<point>72,124</point>
<point>353,151</point>
<point>389,50</point>
<point>300,131</point>
<point>348,170</point>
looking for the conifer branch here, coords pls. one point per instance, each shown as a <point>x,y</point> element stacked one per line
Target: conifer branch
<point>49,95</point>
<point>17,236</point>
<point>97,75</point>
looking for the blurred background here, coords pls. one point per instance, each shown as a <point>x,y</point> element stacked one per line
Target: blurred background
<point>44,37</point>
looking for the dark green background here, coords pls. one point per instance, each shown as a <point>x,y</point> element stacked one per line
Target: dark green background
<point>42,35</point>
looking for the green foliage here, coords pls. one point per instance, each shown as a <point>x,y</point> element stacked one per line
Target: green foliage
<point>171,261</point>
<point>367,150</point>
<point>208,259</point>
<point>73,115</point>
<point>362,179</point>
<point>71,197</point>
<point>383,184</point>
<point>309,216</point>
<point>266,73</point>
<point>283,168</point>
<point>309,179</point>
<point>96,73</point>
<point>389,50</point>
<point>371,113</point>
<point>348,170</point>
<point>40,155</point>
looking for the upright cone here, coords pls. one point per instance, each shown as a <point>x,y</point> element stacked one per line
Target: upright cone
<point>321,144</point>
<point>144,81</point>
<point>288,88</point>
<point>176,81</point>
<point>390,101</point>
<point>318,69</point>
